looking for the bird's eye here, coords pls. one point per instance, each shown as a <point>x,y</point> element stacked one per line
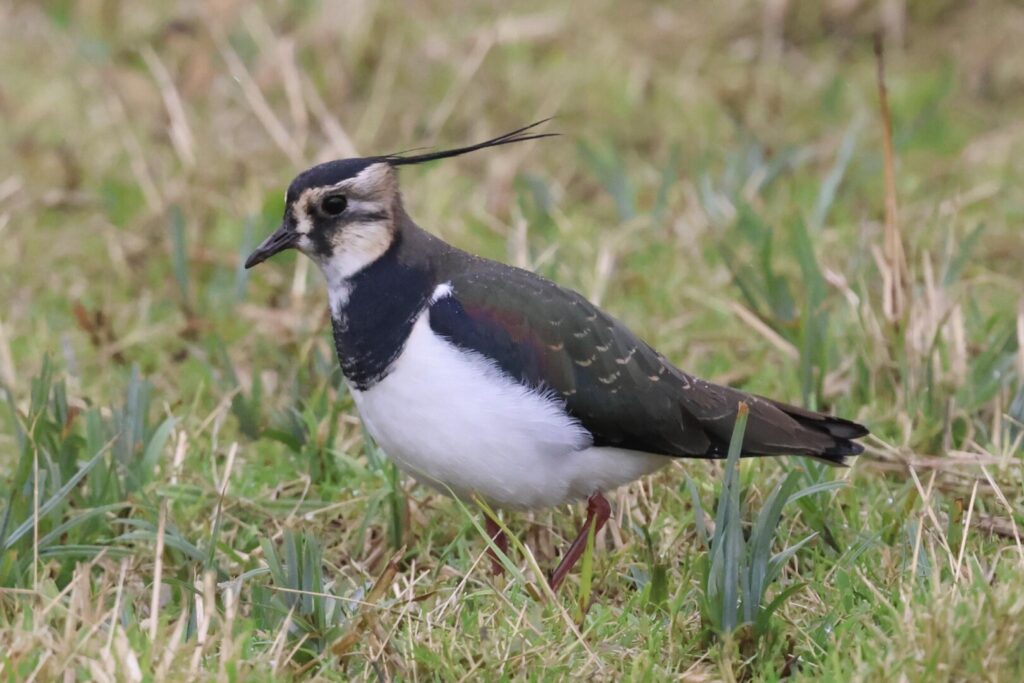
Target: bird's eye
<point>334,204</point>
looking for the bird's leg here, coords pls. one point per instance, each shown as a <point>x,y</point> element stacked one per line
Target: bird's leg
<point>598,512</point>
<point>495,533</point>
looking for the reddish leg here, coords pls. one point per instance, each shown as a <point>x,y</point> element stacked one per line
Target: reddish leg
<point>500,539</point>
<point>598,512</point>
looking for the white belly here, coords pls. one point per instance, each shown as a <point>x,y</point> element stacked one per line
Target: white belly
<point>453,421</point>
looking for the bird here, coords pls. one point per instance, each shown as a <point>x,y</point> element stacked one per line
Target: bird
<point>480,379</point>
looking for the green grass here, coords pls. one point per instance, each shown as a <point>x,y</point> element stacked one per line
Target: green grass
<point>185,488</point>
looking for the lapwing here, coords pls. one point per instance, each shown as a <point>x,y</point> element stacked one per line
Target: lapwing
<point>480,379</point>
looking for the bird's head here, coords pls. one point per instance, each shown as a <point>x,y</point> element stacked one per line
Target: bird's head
<point>344,214</point>
<point>341,214</point>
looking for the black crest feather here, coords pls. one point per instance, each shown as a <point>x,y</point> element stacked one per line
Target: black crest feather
<point>519,135</point>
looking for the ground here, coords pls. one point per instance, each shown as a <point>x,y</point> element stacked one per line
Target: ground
<point>186,491</point>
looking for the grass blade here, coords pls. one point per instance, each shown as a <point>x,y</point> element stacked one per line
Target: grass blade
<point>53,501</point>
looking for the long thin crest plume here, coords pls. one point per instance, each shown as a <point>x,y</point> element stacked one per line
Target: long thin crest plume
<point>519,135</point>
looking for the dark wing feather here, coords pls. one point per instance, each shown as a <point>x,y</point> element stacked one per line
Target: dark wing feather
<point>621,390</point>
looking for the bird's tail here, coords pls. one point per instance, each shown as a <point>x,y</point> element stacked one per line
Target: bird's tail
<point>823,436</point>
<point>773,427</point>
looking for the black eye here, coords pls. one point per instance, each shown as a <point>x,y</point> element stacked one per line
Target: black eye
<point>334,204</point>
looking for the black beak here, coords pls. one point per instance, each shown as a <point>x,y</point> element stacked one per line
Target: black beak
<point>281,239</point>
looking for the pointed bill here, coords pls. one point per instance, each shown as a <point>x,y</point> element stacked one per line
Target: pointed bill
<point>282,238</point>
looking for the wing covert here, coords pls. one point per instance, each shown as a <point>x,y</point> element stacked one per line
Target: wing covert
<point>552,339</point>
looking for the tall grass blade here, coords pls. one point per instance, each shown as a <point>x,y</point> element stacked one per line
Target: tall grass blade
<point>727,544</point>
<point>179,254</point>
<point>830,185</point>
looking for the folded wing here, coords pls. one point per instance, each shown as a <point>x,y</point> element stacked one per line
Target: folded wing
<point>625,393</point>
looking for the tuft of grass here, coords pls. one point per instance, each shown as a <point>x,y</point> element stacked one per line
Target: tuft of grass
<point>75,474</point>
<point>740,568</point>
<point>298,601</point>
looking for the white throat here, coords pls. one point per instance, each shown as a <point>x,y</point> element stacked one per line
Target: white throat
<point>338,286</point>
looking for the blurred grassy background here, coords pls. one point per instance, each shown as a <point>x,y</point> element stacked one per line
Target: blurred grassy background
<point>178,436</point>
